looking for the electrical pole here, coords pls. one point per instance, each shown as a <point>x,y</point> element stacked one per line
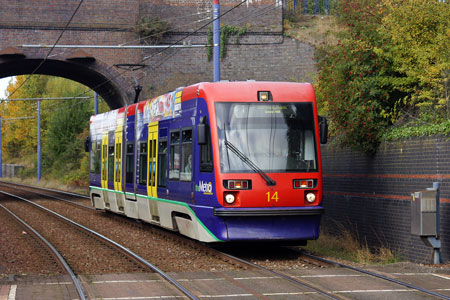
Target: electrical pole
<point>95,103</point>
<point>216,40</point>
<point>39,141</point>
<point>1,162</point>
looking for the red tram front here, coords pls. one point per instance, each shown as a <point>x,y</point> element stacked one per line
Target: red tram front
<point>226,161</point>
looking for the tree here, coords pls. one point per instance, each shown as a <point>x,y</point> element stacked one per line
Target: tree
<point>20,136</point>
<point>67,120</point>
<point>419,35</point>
<point>376,71</point>
<point>64,125</point>
<point>349,86</point>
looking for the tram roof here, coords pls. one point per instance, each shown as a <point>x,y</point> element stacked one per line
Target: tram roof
<point>246,91</point>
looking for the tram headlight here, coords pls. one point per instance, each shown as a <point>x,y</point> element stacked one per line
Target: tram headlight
<point>229,198</point>
<point>310,197</point>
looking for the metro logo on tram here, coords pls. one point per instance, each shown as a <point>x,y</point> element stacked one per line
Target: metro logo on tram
<point>205,188</point>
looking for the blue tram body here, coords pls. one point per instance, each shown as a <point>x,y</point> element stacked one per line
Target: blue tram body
<point>218,162</point>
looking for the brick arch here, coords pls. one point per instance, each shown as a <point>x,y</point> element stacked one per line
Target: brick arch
<point>78,66</point>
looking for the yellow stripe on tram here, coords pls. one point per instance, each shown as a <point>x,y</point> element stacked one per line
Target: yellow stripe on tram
<point>152,159</point>
<point>104,177</point>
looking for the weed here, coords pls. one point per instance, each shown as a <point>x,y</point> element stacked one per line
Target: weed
<point>313,30</point>
<point>347,246</point>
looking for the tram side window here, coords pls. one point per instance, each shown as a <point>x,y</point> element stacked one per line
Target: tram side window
<point>186,155</point>
<point>174,163</point>
<point>206,157</point>
<point>111,163</point>
<point>95,157</point>
<point>162,163</point>
<point>129,164</point>
<point>98,158</point>
<point>143,163</point>
<point>151,163</point>
<point>117,170</point>
<point>104,161</point>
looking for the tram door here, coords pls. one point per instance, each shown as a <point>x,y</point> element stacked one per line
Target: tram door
<point>104,177</point>
<point>152,155</point>
<point>118,159</point>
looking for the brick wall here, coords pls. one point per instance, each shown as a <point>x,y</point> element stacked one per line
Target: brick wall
<point>263,54</point>
<point>371,194</point>
<point>97,22</point>
<point>275,59</point>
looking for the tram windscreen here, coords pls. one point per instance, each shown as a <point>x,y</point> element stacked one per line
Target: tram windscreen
<point>276,137</point>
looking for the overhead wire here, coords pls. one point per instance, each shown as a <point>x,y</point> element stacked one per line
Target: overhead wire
<point>171,29</point>
<point>165,31</point>
<point>262,11</point>
<point>50,51</point>
<point>194,32</point>
<point>120,73</point>
<point>249,16</point>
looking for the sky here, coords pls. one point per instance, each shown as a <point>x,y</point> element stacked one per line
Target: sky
<point>3,85</point>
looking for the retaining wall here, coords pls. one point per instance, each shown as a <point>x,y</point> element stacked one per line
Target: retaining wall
<point>372,194</point>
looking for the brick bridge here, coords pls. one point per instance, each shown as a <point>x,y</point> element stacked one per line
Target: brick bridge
<point>262,53</point>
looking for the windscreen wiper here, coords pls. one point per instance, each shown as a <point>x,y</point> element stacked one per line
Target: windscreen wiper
<point>244,158</point>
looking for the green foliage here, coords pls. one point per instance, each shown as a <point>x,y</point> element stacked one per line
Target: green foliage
<point>369,80</point>
<point>350,86</point>
<point>19,136</point>
<point>396,133</point>
<point>64,142</point>
<point>64,126</point>
<point>210,48</point>
<point>419,37</point>
<point>151,28</point>
<point>225,32</point>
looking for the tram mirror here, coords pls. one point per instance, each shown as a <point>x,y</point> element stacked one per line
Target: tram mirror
<point>87,144</point>
<point>201,131</point>
<point>323,130</point>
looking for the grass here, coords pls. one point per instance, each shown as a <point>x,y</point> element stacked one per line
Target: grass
<point>29,176</point>
<point>313,30</point>
<point>348,247</point>
<point>49,184</point>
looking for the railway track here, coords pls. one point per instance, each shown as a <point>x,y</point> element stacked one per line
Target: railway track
<point>379,276</point>
<point>304,287</point>
<point>117,255</point>
<point>52,193</point>
<point>50,250</point>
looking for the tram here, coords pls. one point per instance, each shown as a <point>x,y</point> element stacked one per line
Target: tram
<point>217,162</point>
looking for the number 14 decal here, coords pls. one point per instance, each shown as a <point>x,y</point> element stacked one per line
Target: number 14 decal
<point>273,196</point>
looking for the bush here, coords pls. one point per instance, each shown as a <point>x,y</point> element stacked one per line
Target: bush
<point>151,29</point>
<point>377,76</point>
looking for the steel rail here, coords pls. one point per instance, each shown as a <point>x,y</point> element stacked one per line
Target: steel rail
<point>55,253</point>
<point>115,244</point>
<point>44,189</point>
<point>405,284</point>
<point>70,202</point>
<point>284,276</point>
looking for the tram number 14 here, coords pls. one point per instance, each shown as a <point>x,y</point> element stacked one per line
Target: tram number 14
<point>272,196</point>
